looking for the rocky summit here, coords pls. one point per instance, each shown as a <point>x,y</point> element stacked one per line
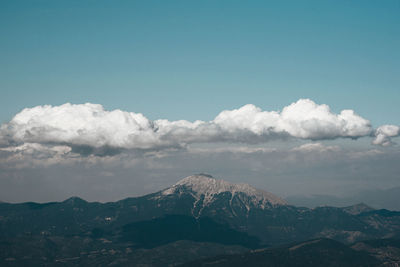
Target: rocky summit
<point>207,190</point>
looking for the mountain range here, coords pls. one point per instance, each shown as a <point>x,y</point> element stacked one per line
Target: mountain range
<point>192,222</point>
<point>378,198</point>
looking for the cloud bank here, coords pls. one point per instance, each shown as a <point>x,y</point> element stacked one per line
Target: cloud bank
<point>90,129</point>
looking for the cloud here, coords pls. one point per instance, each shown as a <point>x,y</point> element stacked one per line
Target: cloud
<point>81,125</point>
<point>89,129</point>
<point>315,147</point>
<point>303,119</point>
<point>232,150</point>
<point>28,154</point>
<point>384,134</point>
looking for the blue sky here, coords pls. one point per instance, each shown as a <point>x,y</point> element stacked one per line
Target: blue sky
<point>192,59</point>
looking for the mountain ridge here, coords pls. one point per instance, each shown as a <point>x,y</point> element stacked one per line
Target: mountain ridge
<point>206,190</point>
<point>65,228</point>
<point>203,182</point>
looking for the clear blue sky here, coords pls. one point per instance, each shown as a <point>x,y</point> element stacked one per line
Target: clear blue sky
<point>192,59</point>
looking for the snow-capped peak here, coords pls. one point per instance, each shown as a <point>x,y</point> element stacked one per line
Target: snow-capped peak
<point>206,186</point>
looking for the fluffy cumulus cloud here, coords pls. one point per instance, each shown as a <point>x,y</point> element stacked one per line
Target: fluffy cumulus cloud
<point>302,119</point>
<point>384,134</point>
<point>80,125</point>
<point>89,129</point>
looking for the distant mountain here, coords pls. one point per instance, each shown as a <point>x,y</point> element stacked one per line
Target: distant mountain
<point>208,192</point>
<point>378,199</point>
<point>357,209</point>
<point>317,200</point>
<point>198,209</point>
<point>381,199</point>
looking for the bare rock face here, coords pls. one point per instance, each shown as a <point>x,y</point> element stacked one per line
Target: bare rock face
<point>207,191</point>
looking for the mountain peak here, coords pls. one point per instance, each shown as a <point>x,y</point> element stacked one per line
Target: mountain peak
<point>75,201</point>
<point>204,175</point>
<point>357,208</point>
<point>207,187</point>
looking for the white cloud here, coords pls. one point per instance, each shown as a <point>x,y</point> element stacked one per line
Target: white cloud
<point>316,147</point>
<point>305,119</point>
<point>29,154</point>
<point>384,133</point>
<point>233,150</point>
<point>88,128</point>
<point>86,125</point>
<point>31,148</point>
<point>302,119</point>
<point>248,118</point>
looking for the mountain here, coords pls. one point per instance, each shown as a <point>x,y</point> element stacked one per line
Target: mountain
<point>378,199</point>
<point>208,192</point>
<point>266,216</point>
<point>357,209</point>
<point>198,210</point>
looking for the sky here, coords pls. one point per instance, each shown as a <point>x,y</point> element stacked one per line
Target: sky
<point>110,99</point>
